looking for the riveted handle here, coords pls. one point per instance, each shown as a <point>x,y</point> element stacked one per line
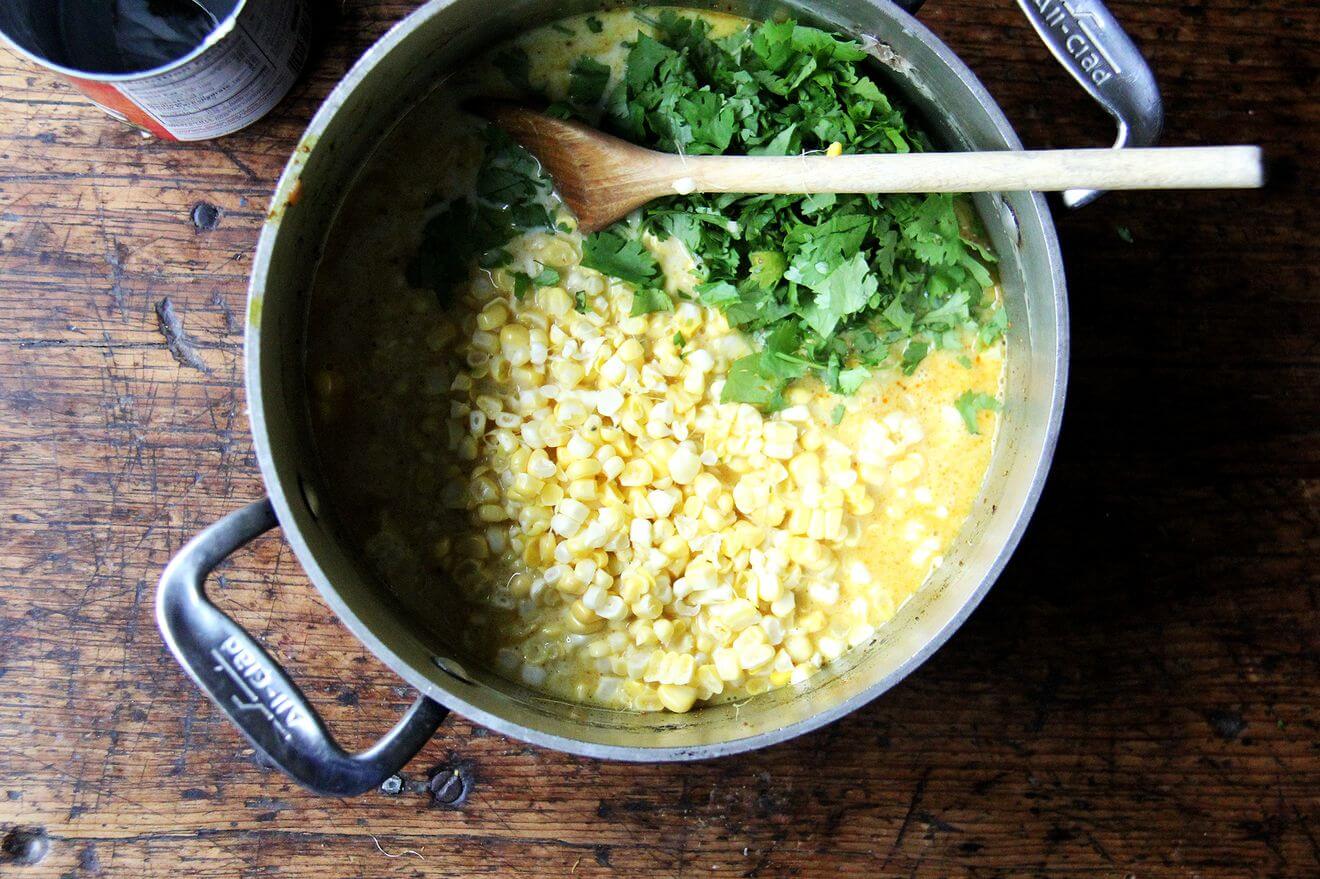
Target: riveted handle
<point>249,686</point>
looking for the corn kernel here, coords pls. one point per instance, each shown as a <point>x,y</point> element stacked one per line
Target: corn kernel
<point>678,699</point>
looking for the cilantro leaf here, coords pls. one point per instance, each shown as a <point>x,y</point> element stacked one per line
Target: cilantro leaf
<point>748,383</point>
<point>623,258</point>
<point>647,300</point>
<point>840,294</point>
<point>548,277</point>
<point>971,404</point>
<point>850,380</point>
<point>522,285</point>
<point>913,354</point>
<point>594,24</point>
<point>766,267</point>
<point>587,81</point>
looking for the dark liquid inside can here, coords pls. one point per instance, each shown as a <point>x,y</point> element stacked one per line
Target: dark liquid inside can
<point>126,36</point>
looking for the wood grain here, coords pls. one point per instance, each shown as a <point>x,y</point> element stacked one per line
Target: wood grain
<point>1137,697</point>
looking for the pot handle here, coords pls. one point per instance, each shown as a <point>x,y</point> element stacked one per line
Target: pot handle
<point>1092,46</point>
<point>250,687</point>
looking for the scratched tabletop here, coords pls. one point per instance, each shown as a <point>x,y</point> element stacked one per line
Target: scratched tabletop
<point>1136,697</point>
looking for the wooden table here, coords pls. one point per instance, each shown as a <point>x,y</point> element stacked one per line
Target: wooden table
<point>1137,697</point>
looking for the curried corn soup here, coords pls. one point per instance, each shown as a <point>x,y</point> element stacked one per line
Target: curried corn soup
<point>691,458</point>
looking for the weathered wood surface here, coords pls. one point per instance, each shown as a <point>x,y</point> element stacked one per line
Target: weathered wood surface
<point>1136,697</point>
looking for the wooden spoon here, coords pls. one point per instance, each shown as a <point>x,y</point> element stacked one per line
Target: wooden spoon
<point>602,178</point>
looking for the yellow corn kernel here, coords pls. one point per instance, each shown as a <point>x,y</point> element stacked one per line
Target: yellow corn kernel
<point>647,607</point>
<point>554,251</point>
<point>658,456</point>
<point>493,316</point>
<point>635,584</point>
<point>582,619</point>
<point>636,472</point>
<point>514,344</point>
<point>675,547</point>
<point>554,301</point>
<point>708,680</point>
<point>585,468</point>
<point>647,700</point>
<point>582,489</point>
<point>631,352</point>
<point>566,373</point>
<point>678,699</point>
<point>520,585</point>
<point>484,342</point>
<point>812,622</point>
<point>740,614</point>
<point>834,149</point>
<point>483,490</point>
<point>525,487</point>
<point>551,495</point>
<point>726,663</point>
<point>805,468</point>
<point>491,513</point>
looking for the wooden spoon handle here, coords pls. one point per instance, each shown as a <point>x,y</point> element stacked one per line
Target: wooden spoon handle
<point>1232,167</point>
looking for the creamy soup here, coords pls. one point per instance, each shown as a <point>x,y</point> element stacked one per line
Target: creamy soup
<point>543,459</point>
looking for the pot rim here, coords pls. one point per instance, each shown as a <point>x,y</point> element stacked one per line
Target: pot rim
<point>280,495</point>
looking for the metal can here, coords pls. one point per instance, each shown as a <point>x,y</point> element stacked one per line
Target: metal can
<point>207,67</point>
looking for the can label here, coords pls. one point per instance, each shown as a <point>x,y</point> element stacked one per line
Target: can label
<point>241,75</point>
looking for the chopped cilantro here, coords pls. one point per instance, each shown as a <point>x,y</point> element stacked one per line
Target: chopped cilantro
<point>522,285</point>
<point>623,258</point>
<point>837,287</point>
<point>852,379</point>
<point>837,414</point>
<point>587,81</point>
<point>972,404</point>
<point>580,302</point>
<point>547,277</point>
<point>861,280</point>
<point>913,354</point>
<point>594,24</point>
<point>679,341</point>
<point>993,327</point>
<point>647,300</point>
<point>510,198</point>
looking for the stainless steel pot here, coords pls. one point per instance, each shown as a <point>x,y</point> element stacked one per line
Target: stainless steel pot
<point>269,709</point>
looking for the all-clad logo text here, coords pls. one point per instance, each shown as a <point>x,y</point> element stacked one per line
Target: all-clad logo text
<point>1075,29</point>
<point>258,689</point>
